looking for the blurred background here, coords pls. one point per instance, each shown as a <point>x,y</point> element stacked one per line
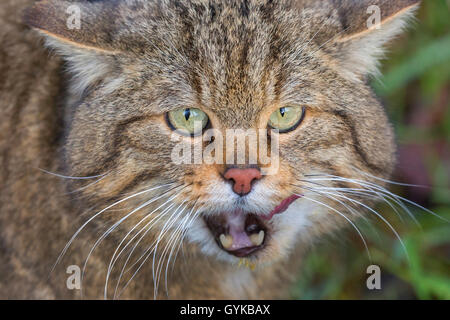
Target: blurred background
<point>415,89</point>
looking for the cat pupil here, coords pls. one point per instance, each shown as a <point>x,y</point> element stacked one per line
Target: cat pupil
<point>187,114</point>
<point>282,111</point>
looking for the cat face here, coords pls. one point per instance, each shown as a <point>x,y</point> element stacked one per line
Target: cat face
<point>293,72</point>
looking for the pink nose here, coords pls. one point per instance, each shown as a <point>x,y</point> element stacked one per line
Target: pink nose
<point>243,179</point>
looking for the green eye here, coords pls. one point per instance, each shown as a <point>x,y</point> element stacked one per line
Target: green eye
<point>190,121</point>
<point>287,118</point>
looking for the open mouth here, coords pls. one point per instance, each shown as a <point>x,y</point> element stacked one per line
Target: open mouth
<point>242,234</point>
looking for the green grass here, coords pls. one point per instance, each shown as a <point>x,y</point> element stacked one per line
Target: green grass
<point>415,89</point>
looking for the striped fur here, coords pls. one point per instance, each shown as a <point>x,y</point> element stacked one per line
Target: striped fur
<point>94,105</point>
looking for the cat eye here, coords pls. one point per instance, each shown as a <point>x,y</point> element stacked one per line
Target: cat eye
<point>189,121</point>
<point>287,118</point>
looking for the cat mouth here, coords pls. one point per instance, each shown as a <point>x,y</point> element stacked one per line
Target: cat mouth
<point>243,234</point>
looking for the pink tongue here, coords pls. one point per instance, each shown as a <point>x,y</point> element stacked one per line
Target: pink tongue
<point>236,225</point>
<point>282,206</point>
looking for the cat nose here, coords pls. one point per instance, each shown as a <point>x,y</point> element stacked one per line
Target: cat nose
<point>242,179</point>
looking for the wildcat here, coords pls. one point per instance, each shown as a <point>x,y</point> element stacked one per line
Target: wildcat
<point>87,126</point>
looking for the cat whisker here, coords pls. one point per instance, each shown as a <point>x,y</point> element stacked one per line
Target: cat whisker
<point>66,247</point>
<point>366,193</point>
<point>98,177</point>
<point>360,194</point>
<point>72,178</point>
<point>87,186</point>
<point>381,189</point>
<point>345,217</point>
<point>331,196</point>
<point>178,235</point>
<point>382,195</point>
<point>383,219</point>
<point>114,258</point>
<point>146,227</point>
<point>123,271</point>
<point>183,235</point>
<point>174,238</point>
<point>349,208</point>
<point>162,258</point>
<point>162,234</point>
<point>115,225</point>
<point>151,248</point>
<point>181,231</point>
<point>390,181</point>
<point>369,208</point>
<point>385,199</point>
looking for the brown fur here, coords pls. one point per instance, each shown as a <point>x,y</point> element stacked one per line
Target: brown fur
<point>239,60</point>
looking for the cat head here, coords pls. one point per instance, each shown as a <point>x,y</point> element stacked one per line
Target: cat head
<point>293,72</point>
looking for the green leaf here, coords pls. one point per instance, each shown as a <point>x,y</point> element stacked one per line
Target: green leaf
<point>433,54</point>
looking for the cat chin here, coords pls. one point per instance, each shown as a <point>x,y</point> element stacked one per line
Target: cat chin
<point>287,232</point>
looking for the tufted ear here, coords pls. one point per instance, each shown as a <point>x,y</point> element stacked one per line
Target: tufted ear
<point>82,33</point>
<point>368,25</point>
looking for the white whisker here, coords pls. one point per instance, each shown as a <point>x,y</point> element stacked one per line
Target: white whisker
<point>72,178</point>
<point>114,258</point>
<point>152,248</point>
<point>115,225</point>
<point>178,235</point>
<point>390,181</point>
<point>381,189</point>
<point>383,219</point>
<point>162,234</point>
<point>362,192</point>
<point>96,215</point>
<point>147,228</point>
<point>346,218</point>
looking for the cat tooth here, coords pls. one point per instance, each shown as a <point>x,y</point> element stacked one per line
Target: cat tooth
<point>257,239</point>
<point>226,241</point>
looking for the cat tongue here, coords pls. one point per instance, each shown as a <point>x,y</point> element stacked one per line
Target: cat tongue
<point>283,206</point>
<point>236,228</point>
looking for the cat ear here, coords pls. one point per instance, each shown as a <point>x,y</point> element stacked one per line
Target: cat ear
<point>81,32</point>
<point>83,25</point>
<point>368,26</point>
